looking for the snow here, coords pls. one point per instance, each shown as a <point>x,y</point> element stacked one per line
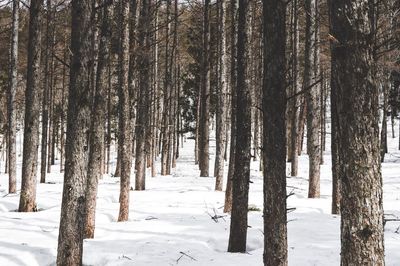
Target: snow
<point>170,223</point>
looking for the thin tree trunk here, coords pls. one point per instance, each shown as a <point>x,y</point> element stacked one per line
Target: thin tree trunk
<point>125,131</point>
<point>232,148</point>
<point>167,87</point>
<point>221,112</point>
<point>142,126</point>
<point>27,201</point>
<point>204,121</point>
<point>311,75</point>
<point>45,104</point>
<point>96,139</point>
<point>62,115</point>
<point>294,102</point>
<point>12,115</point>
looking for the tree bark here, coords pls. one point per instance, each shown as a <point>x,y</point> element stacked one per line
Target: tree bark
<point>97,125</point>
<point>27,201</point>
<point>311,75</point>
<point>142,126</point>
<point>353,75</point>
<point>204,122</point>
<point>274,135</point>
<point>45,103</point>
<point>12,116</point>
<point>125,134</point>
<point>221,112</point>
<point>241,176</point>
<point>231,168</point>
<point>70,239</point>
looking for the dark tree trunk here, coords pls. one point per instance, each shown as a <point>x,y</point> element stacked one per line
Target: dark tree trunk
<point>70,239</point>
<point>274,135</point>
<point>97,124</point>
<point>27,201</point>
<point>294,102</point>
<point>384,144</point>
<point>45,103</point>
<point>241,176</point>
<point>165,167</point>
<point>12,115</point>
<point>142,126</point>
<point>353,76</point>
<point>336,165</point>
<point>204,121</point>
<point>231,168</point>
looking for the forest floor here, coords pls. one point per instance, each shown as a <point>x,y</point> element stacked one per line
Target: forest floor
<point>178,220</point>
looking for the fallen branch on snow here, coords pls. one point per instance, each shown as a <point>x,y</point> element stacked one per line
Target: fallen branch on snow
<point>184,254</point>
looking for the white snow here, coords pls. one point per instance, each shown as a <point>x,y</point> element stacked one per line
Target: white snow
<point>170,223</point>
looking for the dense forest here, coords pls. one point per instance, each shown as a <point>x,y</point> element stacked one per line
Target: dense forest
<point>268,104</point>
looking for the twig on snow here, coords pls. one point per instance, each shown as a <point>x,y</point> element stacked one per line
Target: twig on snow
<point>184,254</point>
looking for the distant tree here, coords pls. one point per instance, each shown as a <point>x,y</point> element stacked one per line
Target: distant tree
<point>312,83</point>
<point>144,58</point>
<point>223,60</point>
<point>12,112</point>
<point>204,120</point>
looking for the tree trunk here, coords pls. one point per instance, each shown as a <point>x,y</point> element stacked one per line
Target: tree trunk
<point>142,126</point>
<point>221,112</point>
<point>274,135</point>
<point>231,168</point>
<point>125,134</point>
<point>70,239</point>
<point>241,176</point>
<point>353,75</point>
<point>384,144</point>
<point>294,102</point>
<point>204,121</point>
<point>165,167</point>
<point>12,115</point>
<point>336,165</point>
<point>27,201</point>
<point>311,75</point>
<point>97,124</point>
<point>45,104</point>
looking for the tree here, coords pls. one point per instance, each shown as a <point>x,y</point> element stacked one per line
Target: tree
<point>274,135</point>
<point>142,127</point>
<point>204,121</point>
<point>27,201</point>
<point>241,176</point>
<point>353,77</point>
<point>232,148</point>
<point>97,127</point>
<point>12,118</point>
<point>124,143</point>
<point>311,76</point>
<point>45,96</point>
<point>70,239</point>
<point>221,112</point>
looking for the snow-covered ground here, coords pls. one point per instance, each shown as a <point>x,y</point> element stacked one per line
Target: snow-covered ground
<point>170,223</point>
